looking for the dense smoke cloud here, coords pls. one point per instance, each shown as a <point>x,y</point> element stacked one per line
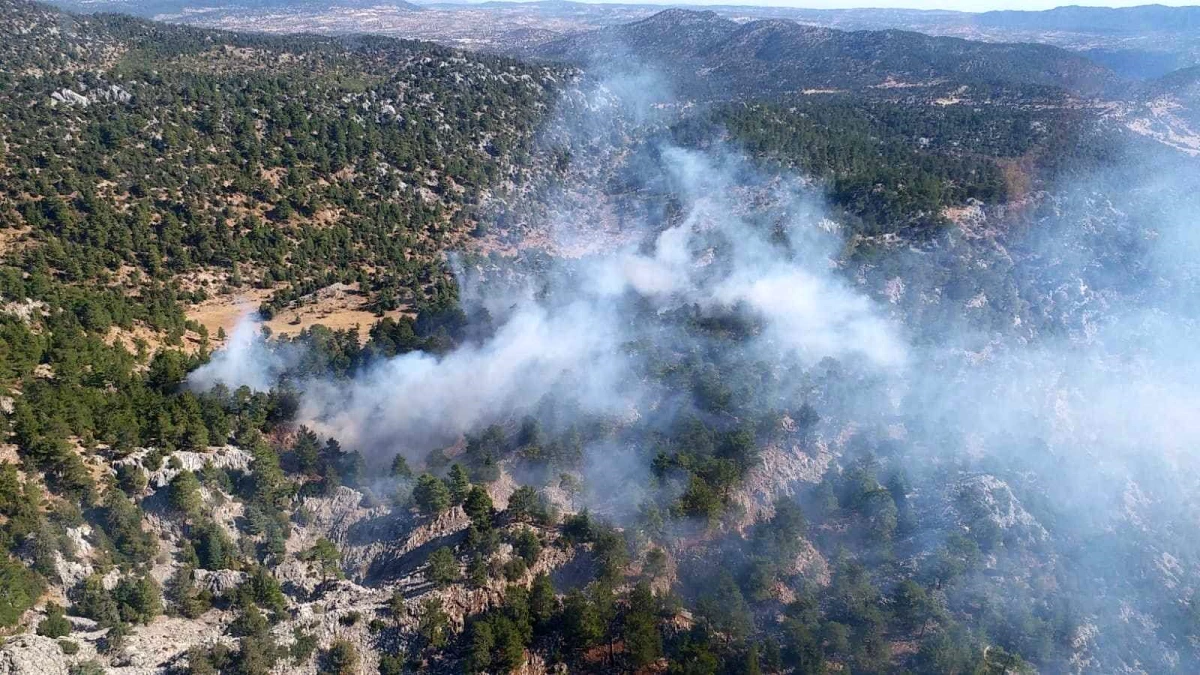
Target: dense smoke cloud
<point>1112,368</point>
<point>809,312</point>
<point>1112,379</point>
<point>569,338</point>
<point>417,401</point>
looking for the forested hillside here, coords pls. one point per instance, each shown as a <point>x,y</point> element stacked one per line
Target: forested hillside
<point>279,162</point>
<point>148,167</point>
<point>758,380</point>
<point>710,56</point>
<point>903,166</point>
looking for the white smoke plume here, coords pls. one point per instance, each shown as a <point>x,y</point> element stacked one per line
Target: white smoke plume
<point>245,361</point>
<point>570,342</point>
<point>418,401</point>
<point>572,345</point>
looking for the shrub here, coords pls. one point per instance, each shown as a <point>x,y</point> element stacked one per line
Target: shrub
<point>341,659</point>
<point>303,646</point>
<point>68,647</point>
<point>55,625</point>
<point>90,667</point>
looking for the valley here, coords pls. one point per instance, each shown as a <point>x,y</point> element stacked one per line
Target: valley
<point>594,338</point>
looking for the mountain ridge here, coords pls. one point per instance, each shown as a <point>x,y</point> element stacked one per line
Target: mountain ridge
<point>714,54</point>
<point>1153,17</point>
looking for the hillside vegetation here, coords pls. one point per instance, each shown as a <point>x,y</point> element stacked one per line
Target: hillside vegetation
<point>710,56</point>
<point>147,167</point>
<point>691,448</point>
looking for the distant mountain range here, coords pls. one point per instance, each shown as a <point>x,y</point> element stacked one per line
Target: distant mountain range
<point>1125,20</point>
<point>1076,19</point>
<point>152,8</point>
<point>708,54</point>
<point>1139,42</point>
<point>1135,43</point>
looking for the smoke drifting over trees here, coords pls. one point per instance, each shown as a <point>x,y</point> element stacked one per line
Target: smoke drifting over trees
<point>572,337</point>
<point>1032,392</point>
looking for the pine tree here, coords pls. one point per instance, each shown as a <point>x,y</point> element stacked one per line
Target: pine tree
<point>543,604</point>
<point>431,495</point>
<point>478,506</point>
<point>443,567</point>
<point>400,469</point>
<point>459,484</point>
<point>184,495</point>
<point>643,641</point>
<point>434,624</point>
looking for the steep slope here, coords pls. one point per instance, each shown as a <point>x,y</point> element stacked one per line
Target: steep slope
<point>147,167</point>
<point>1167,110</point>
<point>1184,82</point>
<point>745,433</point>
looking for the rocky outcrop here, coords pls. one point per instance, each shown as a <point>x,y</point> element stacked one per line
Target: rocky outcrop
<point>385,551</point>
<point>218,582</point>
<point>33,655</point>
<point>154,648</point>
<point>333,516</point>
<point>986,501</point>
<point>113,93</point>
<point>68,97</point>
<point>362,533</point>
<point>70,572</point>
<point>781,468</point>
<point>228,457</point>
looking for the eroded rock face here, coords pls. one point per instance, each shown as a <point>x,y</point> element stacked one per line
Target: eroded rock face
<point>69,97</point>
<point>384,551</point>
<point>74,569</point>
<point>33,655</point>
<point>986,501</point>
<point>796,459</point>
<point>113,93</point>
<point>226,457</point>
<point>152,649</point>
<point>333,516</point>
<point>781,468</point>
<point>219,582</point>
<point>363,533</point>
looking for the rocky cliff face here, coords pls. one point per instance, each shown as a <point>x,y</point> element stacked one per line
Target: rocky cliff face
<point>384,553</point>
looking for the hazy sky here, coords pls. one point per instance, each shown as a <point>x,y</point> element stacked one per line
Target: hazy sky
<point>960,5</point>
<point>978,5</point>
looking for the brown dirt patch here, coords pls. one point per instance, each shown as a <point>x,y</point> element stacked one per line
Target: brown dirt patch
<point>338,307</point>
<point>224,311</point>
<point>13,239</point>
<point>129,338</point>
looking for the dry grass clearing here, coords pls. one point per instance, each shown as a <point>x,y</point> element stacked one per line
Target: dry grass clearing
<point>338,307</point>
<point>224,311</point>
